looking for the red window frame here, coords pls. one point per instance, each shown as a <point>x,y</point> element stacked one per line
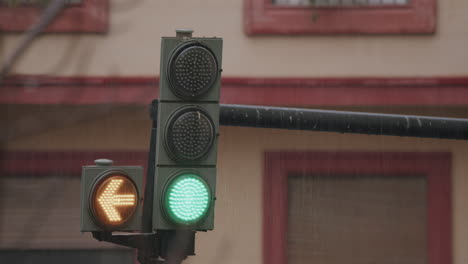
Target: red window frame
<point>262,17</point>
<point>90,16</point>
<point>436,166</point>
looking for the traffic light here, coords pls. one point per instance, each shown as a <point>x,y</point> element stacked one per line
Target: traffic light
<point>188,128</point>
<point>111,197</point>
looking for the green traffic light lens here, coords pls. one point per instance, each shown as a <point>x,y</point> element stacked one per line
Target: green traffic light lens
<point>187,199</point>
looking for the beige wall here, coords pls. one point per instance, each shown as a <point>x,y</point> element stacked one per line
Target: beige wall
<point>131,48</point>
<point>132,45</point>
<point>237,235</point>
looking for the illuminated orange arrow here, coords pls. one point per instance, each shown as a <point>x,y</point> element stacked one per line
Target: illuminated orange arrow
<point>109,200</point>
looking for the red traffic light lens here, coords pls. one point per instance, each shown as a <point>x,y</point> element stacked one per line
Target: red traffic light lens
<point>114,199</point>
<point>192,71</point>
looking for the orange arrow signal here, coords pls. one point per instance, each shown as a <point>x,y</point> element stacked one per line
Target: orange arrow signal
<point>109,200</point>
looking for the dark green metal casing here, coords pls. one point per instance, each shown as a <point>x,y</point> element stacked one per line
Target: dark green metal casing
<point>89,177</point>
<point>172,103</point>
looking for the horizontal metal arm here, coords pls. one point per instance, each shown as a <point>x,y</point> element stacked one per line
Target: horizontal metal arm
<point>344,122</point>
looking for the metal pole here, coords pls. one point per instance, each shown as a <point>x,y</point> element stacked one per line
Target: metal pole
<point>147,219</point>
<point>175,245</point>
<point>344,122</point>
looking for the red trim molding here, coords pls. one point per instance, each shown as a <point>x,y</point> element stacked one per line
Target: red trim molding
<point>62,162</point>
<point>263,17</point>
<point>254,91</point>
<point>90,16</point>
<point>435,166</point>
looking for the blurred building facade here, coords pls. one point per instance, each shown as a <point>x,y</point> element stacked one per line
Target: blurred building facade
<point>82,90</point>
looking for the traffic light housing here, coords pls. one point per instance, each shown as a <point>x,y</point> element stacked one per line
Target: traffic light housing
<point>111,197</point>
<point>187,133</point>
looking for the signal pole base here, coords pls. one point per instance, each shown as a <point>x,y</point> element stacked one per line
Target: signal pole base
<point>164,247</point>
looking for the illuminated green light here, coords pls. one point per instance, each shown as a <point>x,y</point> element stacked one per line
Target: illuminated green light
<point>187,198</point>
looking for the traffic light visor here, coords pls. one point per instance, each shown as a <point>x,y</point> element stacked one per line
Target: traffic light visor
<point>187,198</point>
<point>114,199</point>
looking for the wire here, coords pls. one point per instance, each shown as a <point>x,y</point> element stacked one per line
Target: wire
<point>49,14</point>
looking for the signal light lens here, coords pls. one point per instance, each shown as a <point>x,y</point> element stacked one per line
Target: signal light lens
<point>114,200</point>
<point>193,70</point>
<point>189,134</point>
<point>187,199</point>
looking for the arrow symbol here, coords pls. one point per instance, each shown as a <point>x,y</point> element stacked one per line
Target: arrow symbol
<point>109,200</point>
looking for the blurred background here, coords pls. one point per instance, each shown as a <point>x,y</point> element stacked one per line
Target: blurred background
<point>80,90</point>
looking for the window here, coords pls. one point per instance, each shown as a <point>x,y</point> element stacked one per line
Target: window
<point>357,207</point>
<point>357,219</point>
<point>33,2</point>
<point>341,3</point>
<point>79,16</point>
<point>67,256</point>
<point>339,16</point>
<point>40,199</point>
<point>42,212</point>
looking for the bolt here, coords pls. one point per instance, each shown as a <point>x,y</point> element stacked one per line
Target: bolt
<point>184,33</point>
<point>103,162</point>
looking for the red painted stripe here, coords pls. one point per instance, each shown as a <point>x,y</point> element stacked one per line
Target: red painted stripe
<point>238,90</point>
<point>63,162</point>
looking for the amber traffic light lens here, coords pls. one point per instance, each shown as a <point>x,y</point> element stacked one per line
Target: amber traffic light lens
<point>114,200</point>
<point>193,71</point>
<point>189,134</point>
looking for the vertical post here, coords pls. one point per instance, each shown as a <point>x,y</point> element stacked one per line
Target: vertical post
<point>147,220</point>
